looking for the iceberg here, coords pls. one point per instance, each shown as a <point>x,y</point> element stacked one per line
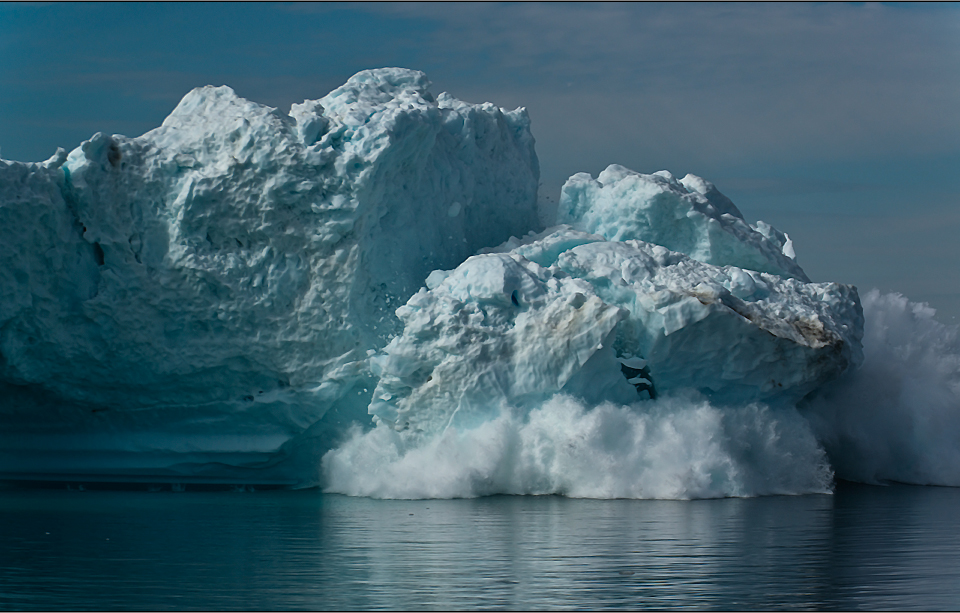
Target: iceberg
<point>359,294</point>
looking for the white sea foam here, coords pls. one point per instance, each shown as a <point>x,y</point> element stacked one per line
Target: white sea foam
<point>678,447</point>
<point>897,418</point>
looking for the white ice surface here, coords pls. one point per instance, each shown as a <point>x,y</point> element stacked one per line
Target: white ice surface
<point>734,334</point>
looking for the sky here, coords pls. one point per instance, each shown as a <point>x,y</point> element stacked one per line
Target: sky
<point>837,123</point>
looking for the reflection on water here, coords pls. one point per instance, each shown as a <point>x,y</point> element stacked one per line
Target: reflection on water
<point>862,548</point>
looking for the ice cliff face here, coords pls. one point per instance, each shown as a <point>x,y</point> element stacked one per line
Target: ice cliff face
<point>225,274</point>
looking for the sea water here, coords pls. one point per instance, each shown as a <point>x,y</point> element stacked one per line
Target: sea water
<point>863,547</point>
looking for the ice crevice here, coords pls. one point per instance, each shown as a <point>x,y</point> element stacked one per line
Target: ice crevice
<point>360,294</point>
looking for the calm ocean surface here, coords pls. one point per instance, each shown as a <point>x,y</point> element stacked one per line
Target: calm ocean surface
<point>865,547</point>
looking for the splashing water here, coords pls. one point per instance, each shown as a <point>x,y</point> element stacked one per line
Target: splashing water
<point>679,447</point>
<point>897,418</point>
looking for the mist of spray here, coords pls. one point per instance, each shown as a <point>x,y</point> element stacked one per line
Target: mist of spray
<point>897,418</point>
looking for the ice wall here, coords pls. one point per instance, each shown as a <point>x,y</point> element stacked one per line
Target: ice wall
<point>215,284</point>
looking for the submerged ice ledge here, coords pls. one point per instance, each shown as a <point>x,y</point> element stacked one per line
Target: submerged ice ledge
<point>234,294</point>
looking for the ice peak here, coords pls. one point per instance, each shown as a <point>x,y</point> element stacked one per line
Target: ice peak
<point>371,90</point>
<point>204,104</point>
<point>689,216</point>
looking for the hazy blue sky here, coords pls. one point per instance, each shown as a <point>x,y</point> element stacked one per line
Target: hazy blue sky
<point>839,124</point>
